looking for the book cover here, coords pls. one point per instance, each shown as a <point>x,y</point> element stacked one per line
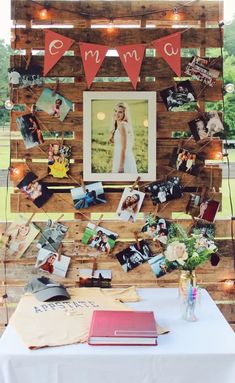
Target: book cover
<point>123,328</point>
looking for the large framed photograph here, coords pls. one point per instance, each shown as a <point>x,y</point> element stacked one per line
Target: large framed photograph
<point>119,136</point>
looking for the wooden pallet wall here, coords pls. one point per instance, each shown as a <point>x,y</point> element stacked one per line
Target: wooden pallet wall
<point>203,16</point>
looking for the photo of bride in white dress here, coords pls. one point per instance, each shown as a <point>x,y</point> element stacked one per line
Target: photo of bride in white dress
<point>122,136</point>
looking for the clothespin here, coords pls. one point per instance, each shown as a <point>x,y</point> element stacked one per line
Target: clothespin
<point>137,240</point>
<point>135,183</point>
<point>99,220</point>
<point>62,139</point>
<point>157,209</point>
<point>30,219</point>
<point>59,251</point>
<point>59,218</point>
<point>28,60</point>
<point>56,87</point>
<point>33,109</point>
<point>179,145</point>
<point>94,266</point>
<point>82,184</point>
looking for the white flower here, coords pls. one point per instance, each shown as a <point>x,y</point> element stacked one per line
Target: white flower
<point>176,251</point>
<point>201,243</point>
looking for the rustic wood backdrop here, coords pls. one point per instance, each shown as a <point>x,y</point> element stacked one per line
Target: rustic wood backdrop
<point>203,17</point>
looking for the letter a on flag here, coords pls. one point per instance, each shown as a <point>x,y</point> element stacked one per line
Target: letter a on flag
<point>92,57</point>
<point>131,57</point>
<point>55,46</point>
<point>169,48</point>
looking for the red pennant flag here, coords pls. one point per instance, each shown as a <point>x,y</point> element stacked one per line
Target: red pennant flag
<point>169,48</point>
<point>131,57</point>
<point>92,57</point>
<point>55,46</point>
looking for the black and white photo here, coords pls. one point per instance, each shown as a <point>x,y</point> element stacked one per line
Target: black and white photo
<point>206,126</point>
<point>178,95</point>
<point>164,191</point>
<point>156,228</point>
<point>203,70</point>
<point>52,235</point>
<point>25,78</point>
<point>134,255</point>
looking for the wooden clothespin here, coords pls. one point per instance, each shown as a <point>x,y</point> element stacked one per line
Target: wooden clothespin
<point>28,60</point>
<point>179,145</point>
<point>30,219</point>
<point>137,239</point>
<point>135,183</point>
<point>59,251</point>
<point>94,266</point>
<point>82,184</point>
<point>99,220</point>
<point>56,87</point>
<point>33,109</point>
<point>157,209</point>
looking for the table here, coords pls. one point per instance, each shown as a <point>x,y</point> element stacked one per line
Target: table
<point>198,352</point>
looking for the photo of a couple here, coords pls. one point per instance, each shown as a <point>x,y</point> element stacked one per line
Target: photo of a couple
<point>93,195</point>
<point>179,95</point>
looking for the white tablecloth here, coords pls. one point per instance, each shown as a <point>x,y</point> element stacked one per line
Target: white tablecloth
<point>198,352</point>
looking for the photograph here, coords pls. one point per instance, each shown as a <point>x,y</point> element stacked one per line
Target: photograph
<point>30,130</point>
<point>159,265</point>
<point>193,205</point>
<point>99,238</point>
<point>130,204</point>
<point>93,195</point>
<point>206,230</point>
<point>119,136</point>
<point>96,278</point>
<point>58,160</point>
<point>25,78</point>
<point>52,235</point>
<point>206,126</point>
<point>134,256</point>
<point>164,191</point>
<point>208,210</point>
<point>156,228</point>
<point>203,70</point>
<point>54,104</point>
<point>178,95</point>
<point>185,161</point>
<point>21,235</point>
<point>52,263</point>
<point>35,190</point>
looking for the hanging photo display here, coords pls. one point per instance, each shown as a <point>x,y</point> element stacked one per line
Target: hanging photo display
<point>206,126</point>
<point>203,70</point>
<point>52,235</point>
<point>206,230</point>
<point>30,130</point>
<point>160,266</point>
<point>186,161</point>
<point>130,204</point>
<point>134,255</point>
<point>54,104</point>
<point>204,209</point>
<point>164,191</point>
<point>92,195</point>
<point>156,228</point>
<point>21,235</point>
<point>58,160</point>
<point>178,95</point>
<point>52,263</point>
<point>36,191</point>
<point>99,238</point>
<point>95,278</point>
<point>25,78</point>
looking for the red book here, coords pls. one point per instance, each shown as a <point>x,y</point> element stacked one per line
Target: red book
<point>123,328</point>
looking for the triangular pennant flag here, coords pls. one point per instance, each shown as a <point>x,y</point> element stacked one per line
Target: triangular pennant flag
<point>169,48</point>
<point>92,57</point>
<point>131,57</point>
<point>55,46</point>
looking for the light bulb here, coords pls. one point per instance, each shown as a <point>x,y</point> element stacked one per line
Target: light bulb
<point>8,105</point>
<point>229,284</point>
<point>229,88</point>
<point>218,156</point>
<point>110,26</point>
<point>43,14</point>
<point>175,15</point>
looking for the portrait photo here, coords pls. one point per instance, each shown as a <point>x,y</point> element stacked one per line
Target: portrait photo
<point>156,228</point>
<point>130,204</point>
<point>35,190</point>
<point>133,256</point>
<point>52,262</point>
<point>160,266</point>
<point>21,235</point>
<point>52,235</point>
<point>186,161</point>
<point>58,160</point>
<point>92,195</point>
<point>178,95</point>
<point>25,78</point>
<point>206,126</point>
<point>203,70</point>
<point>99,238</point>
<point>164,191</point>
<point>54,104</point>
<point>119,136</point>
<point>30,130</point>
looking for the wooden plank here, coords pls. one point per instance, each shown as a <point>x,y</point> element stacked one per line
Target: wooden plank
<point>63,202</point>
<point>191,38</point>
<point>74,10</point>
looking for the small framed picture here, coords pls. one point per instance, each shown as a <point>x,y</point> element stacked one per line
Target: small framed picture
<point>35,190</point>
<point>130,204</point>
<point>97,278</point>
<point>165,191</point>
<point>58,160</point>
<point>93,195</point>
<point>206,126</point>
<point>156,228</point>
<point>30,130</point>
<point>52,263</point>
<point>203,70</point>
<point>25,78</point>
<point>160,266</point>
<point>52,235</point>
<point>186,161</point>
<point>179,95</point>
<point>134,255</point>
<point>54,104</point>
<point>99,238</point>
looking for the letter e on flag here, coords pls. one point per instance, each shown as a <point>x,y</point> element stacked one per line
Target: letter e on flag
<point>131,57</point>
<point>169,48</point>
<point>92,57</point>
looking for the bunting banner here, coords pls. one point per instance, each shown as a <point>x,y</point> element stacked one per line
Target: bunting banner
<point>55,46</point>
<point>169,48</point>
<point>92,57</point>
<point>131,57</point>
